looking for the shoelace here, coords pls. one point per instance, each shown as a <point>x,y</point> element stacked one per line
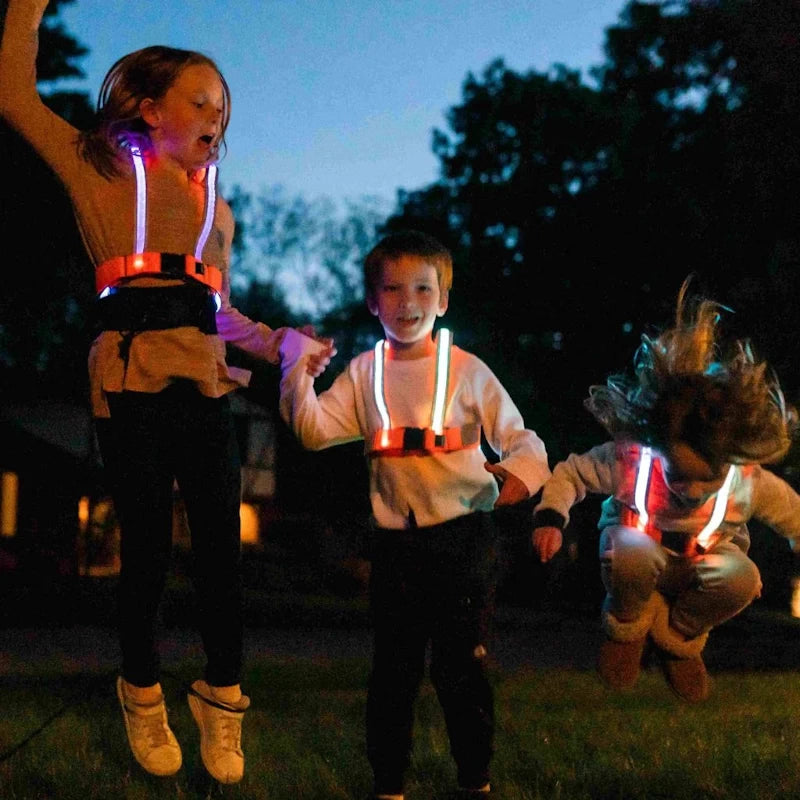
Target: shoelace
<point>153,726</point>
<point>229,732</point>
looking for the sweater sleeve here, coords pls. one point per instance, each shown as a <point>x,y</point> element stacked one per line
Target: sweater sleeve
<point>521,451</point>
<point>317,421</point>
<point>20,105</point>
<point>580,474</point>
<point>253,338</point>
<point>776,504</point>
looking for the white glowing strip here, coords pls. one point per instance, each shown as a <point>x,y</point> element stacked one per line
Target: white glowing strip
<point>141,199</point>
<point>442,375</point>
<point>377,388</point>
<point>720,506</point>
<point>642,479</point>
<point>211,202</point>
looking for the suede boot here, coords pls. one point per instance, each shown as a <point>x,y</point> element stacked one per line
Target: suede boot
<point>620,658</point>
<point>681,658</point>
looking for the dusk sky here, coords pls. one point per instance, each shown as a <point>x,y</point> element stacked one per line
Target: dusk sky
<point>339,97</point>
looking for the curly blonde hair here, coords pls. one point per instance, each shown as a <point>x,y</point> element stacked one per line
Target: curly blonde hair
<point>729,408</point>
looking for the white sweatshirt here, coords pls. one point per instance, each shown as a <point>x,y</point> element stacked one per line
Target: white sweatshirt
<point>436,487</point>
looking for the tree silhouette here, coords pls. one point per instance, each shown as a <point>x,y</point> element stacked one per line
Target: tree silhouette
<point>48,283</point>
<point>575,212</point>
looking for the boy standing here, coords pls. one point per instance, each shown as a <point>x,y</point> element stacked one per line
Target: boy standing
<point>420,404</point>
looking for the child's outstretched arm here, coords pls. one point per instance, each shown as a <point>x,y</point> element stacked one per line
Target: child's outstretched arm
<point>318,421</point>
<point>20,105</point>
<point>250,336</point>
<point>776,504</point>
<point>572,479</point>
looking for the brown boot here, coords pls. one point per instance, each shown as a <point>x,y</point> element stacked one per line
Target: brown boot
<point>619,663</point>
<point>620,659</point>
<point>681,658</point>
<point>687,677</point>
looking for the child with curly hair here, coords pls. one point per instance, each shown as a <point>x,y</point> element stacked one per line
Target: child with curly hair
<point>691,429</point>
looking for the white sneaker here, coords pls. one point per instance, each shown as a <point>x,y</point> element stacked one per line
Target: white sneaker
<point>152,742</point>
<point>220,732</point>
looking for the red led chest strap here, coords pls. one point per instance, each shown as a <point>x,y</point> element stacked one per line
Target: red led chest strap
<point>639,517</point>
<point>416,441</point>
<point>402,441</point>
<point>117,269</point>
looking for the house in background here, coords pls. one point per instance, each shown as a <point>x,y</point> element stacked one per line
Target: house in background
<point>55,513</point>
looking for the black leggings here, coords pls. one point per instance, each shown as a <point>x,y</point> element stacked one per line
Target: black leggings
<point>150,441</point>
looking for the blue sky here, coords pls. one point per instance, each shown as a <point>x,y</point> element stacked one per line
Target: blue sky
<point>339,97</point>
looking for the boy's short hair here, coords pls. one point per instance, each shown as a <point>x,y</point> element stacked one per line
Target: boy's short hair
<point>408,243</point>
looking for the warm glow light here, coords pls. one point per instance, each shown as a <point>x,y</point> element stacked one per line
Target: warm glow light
<point>83,514</point>
<point>720,507</point>
<point>795,602</point>
<point>211,198</point>
<point>9,492</point>
<point>248,518</point>
<point>640,491</point>
<point>442,375</point>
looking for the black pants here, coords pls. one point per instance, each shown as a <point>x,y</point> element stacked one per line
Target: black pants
<point>432,584</point>
<point>150,441</point>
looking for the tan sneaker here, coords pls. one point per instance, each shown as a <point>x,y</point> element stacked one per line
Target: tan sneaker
<point>220,732</point>
<point>687,677</point>
<point>152,742</point>
<point>619,663</point>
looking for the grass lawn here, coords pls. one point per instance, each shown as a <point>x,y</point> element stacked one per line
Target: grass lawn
<point>560,734</point>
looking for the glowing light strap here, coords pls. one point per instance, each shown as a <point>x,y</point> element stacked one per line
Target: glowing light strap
<point>720,507</point>
<point>642,482</point>
<point>211,202</point>
<point>443,342</point>
<point>377,387</point>
<point>640,498</point>
<point>141,200</point>
<point>442,380</point>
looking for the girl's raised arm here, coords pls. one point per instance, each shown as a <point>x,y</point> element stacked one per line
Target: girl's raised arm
<point>20,104</point>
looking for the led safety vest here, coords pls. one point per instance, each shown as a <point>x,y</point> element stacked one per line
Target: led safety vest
<point>391,441</point>
<point>639,516</point>
<point>111,272</point>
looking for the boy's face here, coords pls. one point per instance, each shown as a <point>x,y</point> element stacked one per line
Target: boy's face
<point>407,301</point>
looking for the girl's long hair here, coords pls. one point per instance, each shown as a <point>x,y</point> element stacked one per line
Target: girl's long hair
<point>728,406</point>
<point>149,72</point>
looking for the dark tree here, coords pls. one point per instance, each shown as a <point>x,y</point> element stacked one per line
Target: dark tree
<point>575,212</point>
<point>48,281</point>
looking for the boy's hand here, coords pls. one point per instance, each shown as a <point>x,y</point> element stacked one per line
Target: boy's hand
<point>512,491</point>
<point>546,542</point>
<point>317,362</point>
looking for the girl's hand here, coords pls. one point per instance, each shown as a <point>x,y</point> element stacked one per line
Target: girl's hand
<point>546,542</point>
<point>318,362</point>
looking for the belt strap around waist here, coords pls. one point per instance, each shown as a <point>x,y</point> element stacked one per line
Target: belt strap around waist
<point>156,308</point>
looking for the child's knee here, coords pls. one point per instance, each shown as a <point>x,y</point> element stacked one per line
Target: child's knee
<point>631,557</point>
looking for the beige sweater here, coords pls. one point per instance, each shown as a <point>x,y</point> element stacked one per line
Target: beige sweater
<point>105,211</point>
